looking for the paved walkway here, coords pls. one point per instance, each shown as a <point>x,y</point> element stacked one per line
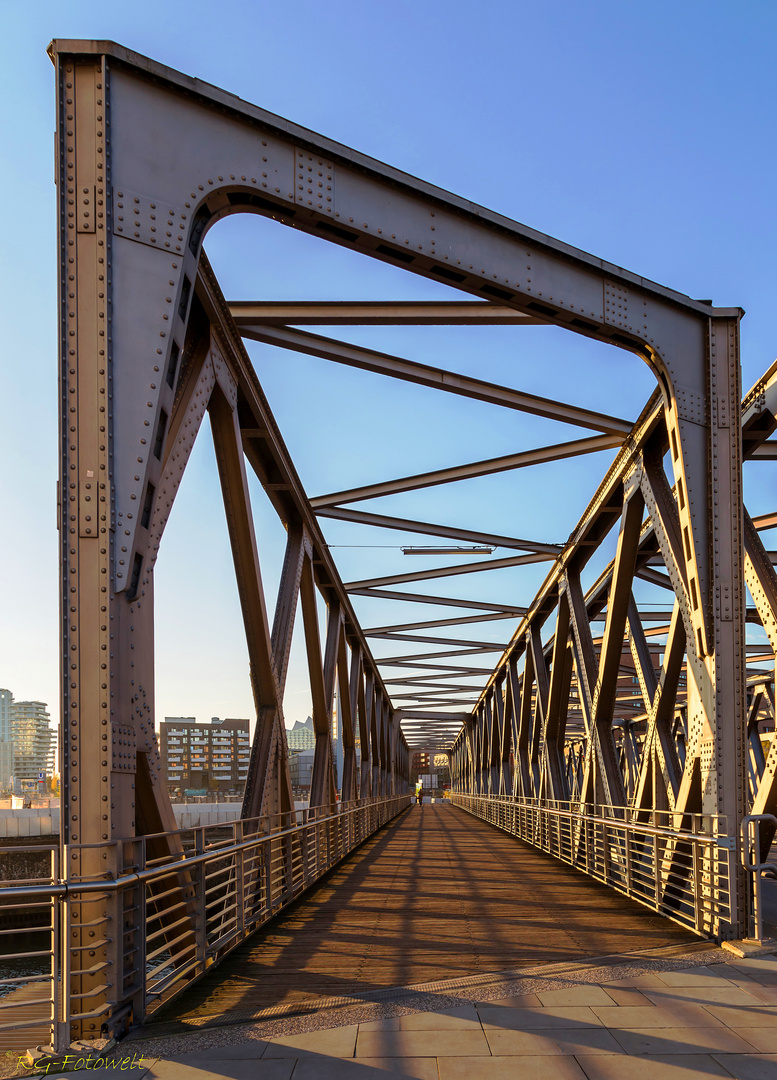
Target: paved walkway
<point>717,1019</point>
<point>437,894</point>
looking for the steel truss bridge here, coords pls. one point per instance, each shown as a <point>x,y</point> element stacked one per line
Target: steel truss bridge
<point>620,737</point>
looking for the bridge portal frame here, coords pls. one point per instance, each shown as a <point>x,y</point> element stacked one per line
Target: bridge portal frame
<point>148,160</point>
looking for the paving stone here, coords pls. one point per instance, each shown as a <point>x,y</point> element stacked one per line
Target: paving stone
<point>555,1016</point>
<point>699,976</point>
<point>638,981</point>
<point>723,994</point>
<point>654,1067</point>
<point>763,1039</point>
<point>520,1001</point>
<point>510,1068</point>
<point>250,1050</point>
<point>654,1016</point>
<point>313,1068</point>
<point>331,1042</point>
<point>227,1070</point>
<point>461,1019</point>
<point>758,1016</point>
<point>681,1040</point>
<point>576,995</point>
<point>628,995</point>
<point>553,1041</point>
<point>371,1044</point>
<point>749,1066</point>
<point>767,995</point>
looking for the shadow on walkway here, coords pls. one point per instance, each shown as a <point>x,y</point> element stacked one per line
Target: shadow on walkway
<point>436,894</point>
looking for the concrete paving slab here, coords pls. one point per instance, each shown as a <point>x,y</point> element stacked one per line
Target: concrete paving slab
<point>576,995</point>
<point>760,976</point>
<point>654,1067</point>
<point>655,1016</point>
<point>638,981</point>
<point>553,1041</point>
<point>749,1066</point>
<point>213,1070</point>
<point>699,976</point>
<point>331,1042</point>
<point>137,1073</point>
<point>763,1039</point>
<point>251,1050</point>
<point>681,1040</point>
<point>372,1044</point>
<point>628,995</point>
<point>756,963</point>
<point>511,1068</point>
<point>767,995</point>
<point>313,1068</point>
<point>464,1018</point>
<point>558,1016</point>
<point>520,1001</point>
<point>757,1016</point>
<point>723,994</point>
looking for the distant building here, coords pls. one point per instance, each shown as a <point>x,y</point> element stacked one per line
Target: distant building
<point>6,762</point>
<point>301,768</point>
<point>212,756</point>
<point>6,743</point>
<point>33,739</point>
<point>6,701</point>
<point>301,736</point>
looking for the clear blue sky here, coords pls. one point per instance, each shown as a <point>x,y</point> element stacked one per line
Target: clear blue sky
<point>643,132</point>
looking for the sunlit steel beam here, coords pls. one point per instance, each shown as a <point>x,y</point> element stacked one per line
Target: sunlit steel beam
<point>444,601</point>
<point>436,378</point>
<point>252,313</point>
<point>450,571</point>
<point>381,521</point>
<point>467,472</point>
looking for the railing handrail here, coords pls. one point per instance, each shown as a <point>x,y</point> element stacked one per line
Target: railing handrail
<point>68,887</point>
<point>551,806</point>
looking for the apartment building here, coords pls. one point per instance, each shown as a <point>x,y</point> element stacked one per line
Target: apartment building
<point>213,756</point>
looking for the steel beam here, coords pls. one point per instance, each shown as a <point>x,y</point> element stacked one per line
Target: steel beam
<point>252,313</point>
<point>467,472</point>
<point>436,378</point>
<point>360,517</point>
<point>450,571</point>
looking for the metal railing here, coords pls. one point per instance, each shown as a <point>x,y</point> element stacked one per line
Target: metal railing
<point>751,860</point>
<point>680,865</point>
<point>177,914</point>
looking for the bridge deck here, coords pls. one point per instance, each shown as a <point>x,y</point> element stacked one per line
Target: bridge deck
<point>436,894</point>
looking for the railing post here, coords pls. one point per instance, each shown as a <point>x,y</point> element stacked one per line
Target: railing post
<point>697,915</point>
<point>240,878</point>
<point>200,878</point>
<point>288,855</point>
<point>656,867</point>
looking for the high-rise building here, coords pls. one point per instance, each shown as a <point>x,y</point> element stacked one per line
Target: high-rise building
<point>6,701</point>
<point>6,762</point>
<point>33,739</point>
<point>6,742</point>
<point>210,756</point>
<point>301,736</point>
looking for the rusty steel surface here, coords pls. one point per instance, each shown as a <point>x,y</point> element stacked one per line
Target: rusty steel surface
<point>595,699</point>
<point>436,894</point>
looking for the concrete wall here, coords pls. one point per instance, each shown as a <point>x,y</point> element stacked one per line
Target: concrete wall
<point>44,821</point>
<point>34,823</point>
